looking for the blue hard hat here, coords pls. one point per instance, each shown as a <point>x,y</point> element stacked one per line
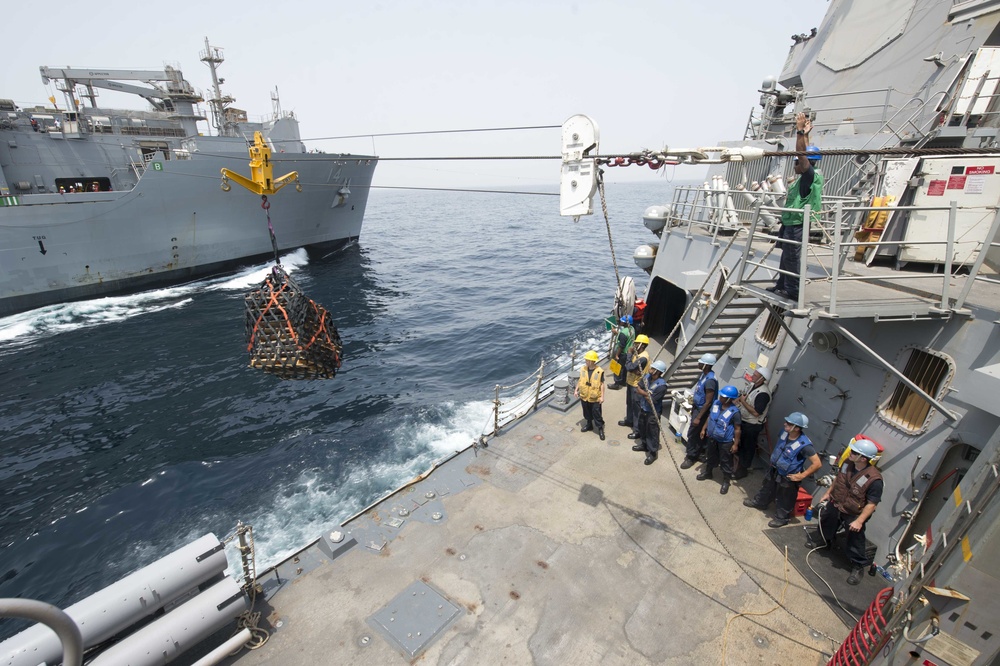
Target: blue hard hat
<point>729,392</point>
<point>798,419</point>
<point>813,154</point>
<point>707,359</point>
<point>659,365</point>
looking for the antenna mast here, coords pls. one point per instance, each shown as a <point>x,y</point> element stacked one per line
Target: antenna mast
<point>212,56</point>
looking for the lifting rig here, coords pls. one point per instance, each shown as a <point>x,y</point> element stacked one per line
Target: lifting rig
<point>261,180</point>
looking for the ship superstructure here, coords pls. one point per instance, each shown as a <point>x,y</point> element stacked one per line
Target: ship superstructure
<point>96,201</point>
<point>894,330</point>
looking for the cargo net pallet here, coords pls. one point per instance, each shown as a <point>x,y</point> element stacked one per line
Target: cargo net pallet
<point>288,334</point>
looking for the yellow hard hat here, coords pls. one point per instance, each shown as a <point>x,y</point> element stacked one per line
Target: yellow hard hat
<point>591,356</point>
<point>642,339</point>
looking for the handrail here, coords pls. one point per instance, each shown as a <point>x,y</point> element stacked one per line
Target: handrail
<point>55,619</point>
<point>685,208</point>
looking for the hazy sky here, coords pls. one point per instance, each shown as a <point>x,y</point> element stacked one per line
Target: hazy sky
<point>650,72</point>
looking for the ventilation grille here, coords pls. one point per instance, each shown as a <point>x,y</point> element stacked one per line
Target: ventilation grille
<point>770,328</point>
<point>907,409</point>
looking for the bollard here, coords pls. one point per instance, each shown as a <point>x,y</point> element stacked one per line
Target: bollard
<point>561,387</point>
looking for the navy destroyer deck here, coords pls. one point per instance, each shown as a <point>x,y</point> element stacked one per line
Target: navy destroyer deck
<point>551,546</point>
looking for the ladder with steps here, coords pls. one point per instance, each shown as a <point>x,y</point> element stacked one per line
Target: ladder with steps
<point>717,330</point>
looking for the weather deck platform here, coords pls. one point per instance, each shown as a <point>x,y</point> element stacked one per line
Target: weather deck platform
<point>555,548</point>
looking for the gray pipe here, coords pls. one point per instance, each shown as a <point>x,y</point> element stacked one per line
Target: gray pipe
<point>55,619</point>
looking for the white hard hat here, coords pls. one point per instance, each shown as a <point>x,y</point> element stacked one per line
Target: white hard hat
<point>764,371</point>
<point>707,359</point>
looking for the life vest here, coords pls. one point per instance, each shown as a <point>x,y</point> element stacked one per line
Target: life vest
<point>787,456</point>
<point>699,390</point>
<point>632,378</point>
<point>720,422</point>
<point>625,343</point>
<point>750,398</point>
<point>645,400</point>
<point>850,488</point>
<point>590,383</point>
<point>794,199</point>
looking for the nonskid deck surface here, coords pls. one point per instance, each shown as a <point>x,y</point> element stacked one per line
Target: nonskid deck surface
<point>554,547</point>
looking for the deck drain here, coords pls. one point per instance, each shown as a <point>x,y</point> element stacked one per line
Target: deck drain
<point>761,642</point>
<point>417,616</point>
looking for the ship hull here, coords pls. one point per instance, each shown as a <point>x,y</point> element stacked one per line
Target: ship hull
<point>175,224</point>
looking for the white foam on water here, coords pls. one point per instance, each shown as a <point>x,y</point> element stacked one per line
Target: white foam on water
<point>26,327</point>
<point>312,506</point>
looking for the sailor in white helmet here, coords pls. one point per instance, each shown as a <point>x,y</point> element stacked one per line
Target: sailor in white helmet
<point>849,502</point>
<point>753,404</point>
<point>704,395</point>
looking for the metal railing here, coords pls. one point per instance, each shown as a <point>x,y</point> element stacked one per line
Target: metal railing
<point>512,402</point>
<point>55,619</point>
<point>836,223</point>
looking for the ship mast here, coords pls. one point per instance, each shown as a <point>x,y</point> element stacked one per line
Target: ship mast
<point>212,56</point>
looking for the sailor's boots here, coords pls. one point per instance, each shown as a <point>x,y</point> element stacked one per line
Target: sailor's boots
<point>706,473</point>
<point>587,427</point>
<point>725,485</point>
<point>600,433</point>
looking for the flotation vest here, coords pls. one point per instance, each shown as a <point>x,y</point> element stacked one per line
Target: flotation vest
<point>590,383</point>
<point>787,456</point>
<point>850,488</point>
<point>794,199</point>
<point>644,401</point>
<point>750,398</point>
<point>720,422</point>
<point>629,334</point>
<point>632,378</point>
<point>699,390</point>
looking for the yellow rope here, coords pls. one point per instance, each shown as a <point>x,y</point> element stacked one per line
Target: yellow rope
<point>780,604</point>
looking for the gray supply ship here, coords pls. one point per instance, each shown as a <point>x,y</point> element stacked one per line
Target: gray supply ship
<point>95,201</point>
<point>542,544</point>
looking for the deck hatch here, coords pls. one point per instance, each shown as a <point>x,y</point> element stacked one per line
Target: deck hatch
<point>415,618</point>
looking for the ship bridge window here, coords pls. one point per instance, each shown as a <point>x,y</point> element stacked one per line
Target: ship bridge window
<point>770,328</point>
<point>903,407</point>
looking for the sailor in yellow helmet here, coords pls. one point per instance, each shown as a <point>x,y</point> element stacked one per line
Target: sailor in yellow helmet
<point>635,368</point>
<point>590,390</point>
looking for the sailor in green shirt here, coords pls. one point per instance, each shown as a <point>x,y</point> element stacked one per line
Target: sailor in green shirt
<point>807,189</point>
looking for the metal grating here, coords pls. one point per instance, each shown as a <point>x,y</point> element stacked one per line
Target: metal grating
<point>906,408</point>
<point>417,616</point>
<point>769,329</point>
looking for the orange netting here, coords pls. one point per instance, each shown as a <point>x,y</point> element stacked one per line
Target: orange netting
<point>289,334</point>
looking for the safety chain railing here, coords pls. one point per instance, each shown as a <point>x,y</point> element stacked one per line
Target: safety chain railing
<point>513,401</point>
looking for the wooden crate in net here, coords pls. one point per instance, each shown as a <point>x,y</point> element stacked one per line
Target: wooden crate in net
<point>288,334</point>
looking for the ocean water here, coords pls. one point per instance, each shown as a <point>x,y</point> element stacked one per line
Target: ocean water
<point>132,425</point>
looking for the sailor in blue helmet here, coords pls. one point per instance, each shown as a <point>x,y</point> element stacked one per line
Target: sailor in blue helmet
<point>721,433</point>
<point>624,337</point>
<point>807,189</point>
<point>787,469</point>
<point>650,391</point>
<point>701,401</point>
